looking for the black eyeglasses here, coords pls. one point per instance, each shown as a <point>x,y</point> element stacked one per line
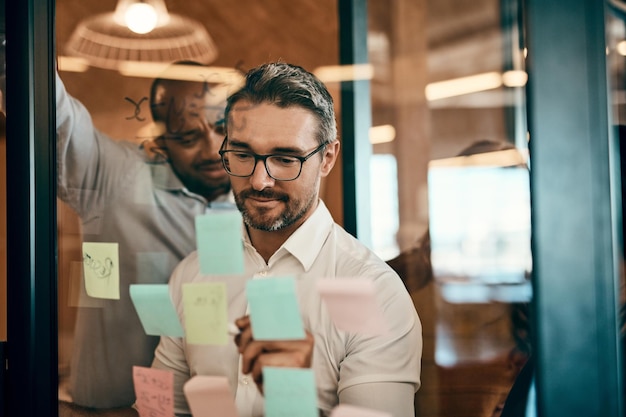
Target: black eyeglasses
<point>280,167</point>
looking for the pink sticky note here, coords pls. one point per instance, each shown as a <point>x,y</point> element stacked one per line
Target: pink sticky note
<point>154,389</point>
<point>210,396</point>
<point>353,305</point>
<point>345,410</point>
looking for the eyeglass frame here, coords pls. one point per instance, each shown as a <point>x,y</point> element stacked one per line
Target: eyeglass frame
<point>257,157</point>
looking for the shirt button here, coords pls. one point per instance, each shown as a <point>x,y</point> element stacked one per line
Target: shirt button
<point>263,273</point>
<point>245,380</point>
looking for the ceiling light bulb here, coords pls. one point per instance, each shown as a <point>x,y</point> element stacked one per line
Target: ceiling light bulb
<point>141,18</point>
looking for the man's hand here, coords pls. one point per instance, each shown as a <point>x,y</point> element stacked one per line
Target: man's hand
<point>256,353</point>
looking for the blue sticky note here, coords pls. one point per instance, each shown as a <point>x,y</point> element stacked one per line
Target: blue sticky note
<point>289,392</point>
<point>274,309</point>
<point>220,244</point>
<point>155,310</point>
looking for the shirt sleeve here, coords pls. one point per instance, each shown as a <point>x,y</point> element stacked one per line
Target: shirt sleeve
<point>393,357</point>
<point>169,355</point>
<point>87,159</point>
<point>395,398</point>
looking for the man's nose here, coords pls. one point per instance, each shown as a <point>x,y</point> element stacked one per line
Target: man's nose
<point>260,179</point>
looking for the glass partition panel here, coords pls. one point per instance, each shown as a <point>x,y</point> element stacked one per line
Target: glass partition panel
<point>450,189</point>
<point>125,211</point>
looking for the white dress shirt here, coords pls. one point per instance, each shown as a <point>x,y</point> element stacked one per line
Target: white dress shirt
<point>318,249</point>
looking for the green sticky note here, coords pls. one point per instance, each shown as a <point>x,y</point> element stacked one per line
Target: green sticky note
<point>289,392</point>
<point>274,309</point>
<point>155,310</point>
<point>206,314</point>
<point>220,244</point>
<point>101,269</point>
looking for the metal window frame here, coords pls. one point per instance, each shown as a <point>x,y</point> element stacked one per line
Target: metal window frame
<point>32,383</point>
<point>575,202</point>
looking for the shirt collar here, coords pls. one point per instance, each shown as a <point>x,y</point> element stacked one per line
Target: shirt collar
<point>306,242</point>
<point>164,177</point>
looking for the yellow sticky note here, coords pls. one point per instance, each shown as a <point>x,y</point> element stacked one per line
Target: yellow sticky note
<point>101,270</point>
<point>206,314</point>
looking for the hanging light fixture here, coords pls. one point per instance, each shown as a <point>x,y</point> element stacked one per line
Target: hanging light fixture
<point>140,31</point>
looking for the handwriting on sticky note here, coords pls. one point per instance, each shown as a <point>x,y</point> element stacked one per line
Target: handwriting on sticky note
<point>154,389</point>
<point>220,245</point>
<point>289,392</point>
<point>101,269</point>
<point>155,310</point>
<point>353,305</point>
<point>274,309</point>
<point>346,410</point>
<point>205,312</point>
<point>210,396</point>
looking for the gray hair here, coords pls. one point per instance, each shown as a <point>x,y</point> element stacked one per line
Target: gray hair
<point>286,85</point>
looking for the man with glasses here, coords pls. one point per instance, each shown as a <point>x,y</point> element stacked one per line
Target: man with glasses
<point>281,141</point>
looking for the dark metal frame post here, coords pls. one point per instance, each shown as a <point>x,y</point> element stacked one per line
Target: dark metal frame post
<point>574,201</point>
<point>31,210</point>
<point>356,115</point>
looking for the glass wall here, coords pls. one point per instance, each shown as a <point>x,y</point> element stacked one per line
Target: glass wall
<point>450,190</point>
<point>443,153</point>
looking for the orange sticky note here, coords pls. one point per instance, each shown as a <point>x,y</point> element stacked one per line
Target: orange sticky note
<point>210,396</point>
<point>154,389</point>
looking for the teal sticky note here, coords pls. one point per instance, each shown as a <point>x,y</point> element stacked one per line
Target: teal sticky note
<point>155,310</point>
<point>274,309</point>
<point>220,244</point>
<point>289,392</point>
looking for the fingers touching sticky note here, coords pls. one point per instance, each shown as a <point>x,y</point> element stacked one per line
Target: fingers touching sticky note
<point>274,309</point>
<point>206,314</point>
<point>210,396</point>
<point>155,310</point>
<point>220,245</point>
<point>101,268</point>
<point>154,389</point>
<point>353,305</point>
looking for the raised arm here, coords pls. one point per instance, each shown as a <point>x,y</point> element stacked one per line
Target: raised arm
<point>87,159</point>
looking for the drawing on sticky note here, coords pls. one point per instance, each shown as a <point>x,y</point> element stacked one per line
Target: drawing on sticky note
<point>101,270</point>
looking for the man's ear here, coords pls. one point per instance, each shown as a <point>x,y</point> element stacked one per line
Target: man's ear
<point>155,150</point>
<point>330,155</point>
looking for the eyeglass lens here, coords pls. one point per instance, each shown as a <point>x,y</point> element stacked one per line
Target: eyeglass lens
<point>279,167</point>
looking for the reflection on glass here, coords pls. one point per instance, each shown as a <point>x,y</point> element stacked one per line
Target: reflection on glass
<point>480,232</point>
<point>384,205</point>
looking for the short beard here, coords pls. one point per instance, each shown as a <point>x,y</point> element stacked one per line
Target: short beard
<point>289,216</point>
